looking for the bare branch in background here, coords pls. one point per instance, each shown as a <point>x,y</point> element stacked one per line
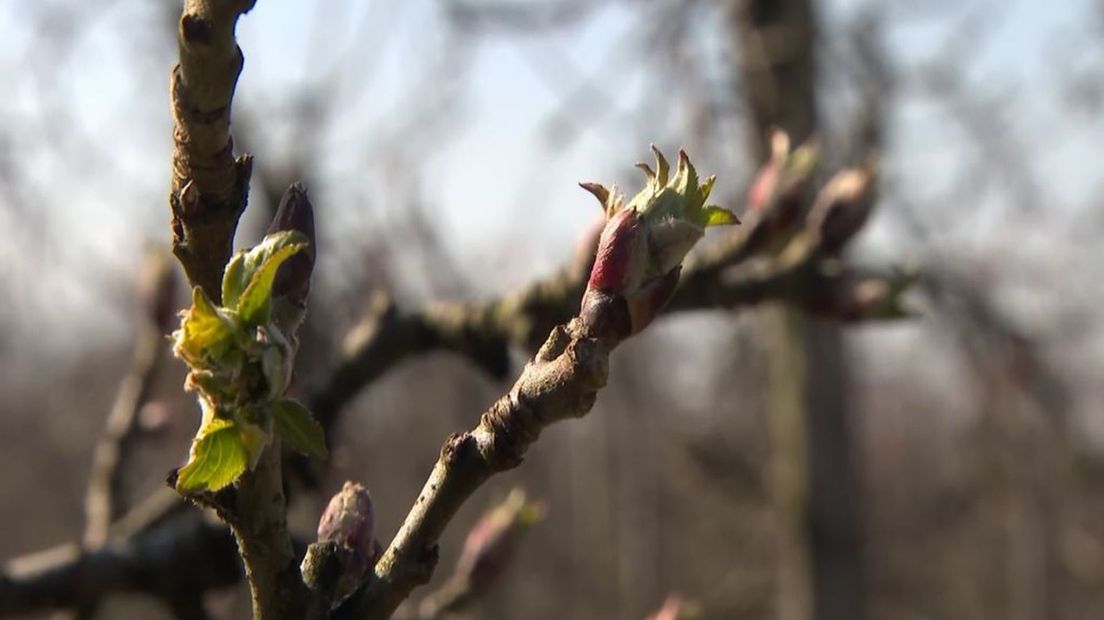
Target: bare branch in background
<point>176,564</point>
<point>488,554</point>
<point>513,16</point>
<point>102,503</point>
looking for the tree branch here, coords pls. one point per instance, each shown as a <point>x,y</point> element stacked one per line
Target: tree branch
<point>561,382</point>
<point>484,333</point>
<point>260,525</point>
<point>175,563</point>
<point>481,332</point>
<point>209,192</point>
<point>209,186</point>
<point>563,378</point>
<point>101,502</point>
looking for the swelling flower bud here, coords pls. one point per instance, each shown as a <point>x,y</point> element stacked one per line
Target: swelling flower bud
<point>346,550</point>
<point>779,196</point>
<point>291,287</point>
<point>842,207</point>
<point>349,519</point>
<point>644,243</point>
<point>490,545</point>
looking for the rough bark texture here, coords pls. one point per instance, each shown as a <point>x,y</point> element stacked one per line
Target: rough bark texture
<point>260,526</point>
<point>209,186</point>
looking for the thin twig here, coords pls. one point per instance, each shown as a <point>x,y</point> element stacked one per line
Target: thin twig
<point>101,503</point>
<point>561,382</point>
<point>482,333</point>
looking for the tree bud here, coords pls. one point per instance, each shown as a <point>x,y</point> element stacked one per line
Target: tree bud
<point>644,242</point>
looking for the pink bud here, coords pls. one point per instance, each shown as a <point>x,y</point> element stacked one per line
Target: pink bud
<point>342,558</point>
<point>762,188</point>
<point>778,198</point>
<point>622,255</point>
<point>842,207</point>
<point>490,545</point>
<point>643,245</point>
<point>349,519</point>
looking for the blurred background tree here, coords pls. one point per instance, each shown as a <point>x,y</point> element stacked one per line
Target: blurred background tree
<point>946,466</point>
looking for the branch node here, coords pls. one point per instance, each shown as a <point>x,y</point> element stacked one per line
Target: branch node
<point>194,29</point>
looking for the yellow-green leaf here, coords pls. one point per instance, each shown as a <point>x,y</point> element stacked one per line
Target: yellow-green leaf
<point>205,333</point>
<point>716,216</point>
<point>219,456</point>
<point>234,280</point>
<point>260,266</point>
<point>298,428</point>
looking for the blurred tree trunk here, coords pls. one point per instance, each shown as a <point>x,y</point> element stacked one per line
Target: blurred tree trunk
<point>813,474</point>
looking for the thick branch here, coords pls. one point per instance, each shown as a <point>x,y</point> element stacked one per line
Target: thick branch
<point>209,186</point>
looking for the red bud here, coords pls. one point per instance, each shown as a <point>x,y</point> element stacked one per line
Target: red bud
<point>622,255</point>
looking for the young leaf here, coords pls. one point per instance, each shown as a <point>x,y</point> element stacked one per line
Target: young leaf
<point>218,457</point>
<point>246,263</point>
<point>716,216</point>
<point>260,267</point>
<point>205,333</point>
<point>298,428</point>
<point>234,280</point>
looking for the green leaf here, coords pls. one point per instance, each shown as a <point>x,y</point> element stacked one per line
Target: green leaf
<point>259,266</point>
<point>246,263</point>
<point>205,334</point>
<point>298,428</point>
<point>234,280</point>
<point>219,456</point>
<point>716,216</point>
